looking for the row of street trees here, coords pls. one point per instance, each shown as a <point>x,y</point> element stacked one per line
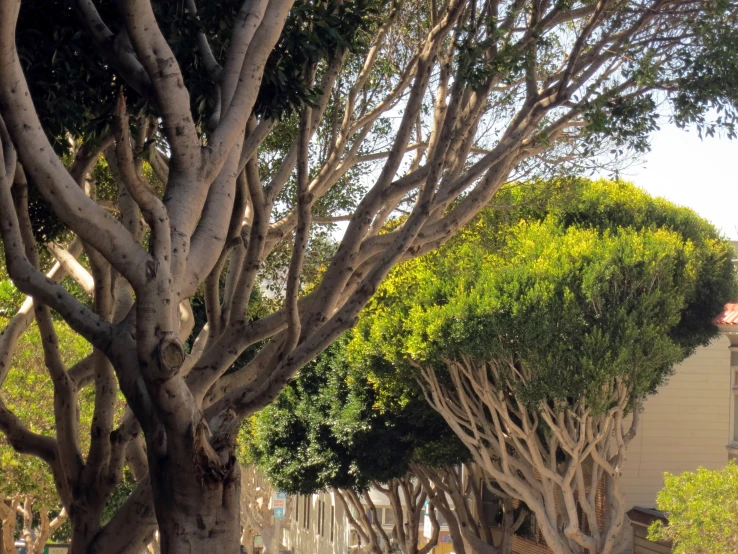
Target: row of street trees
<point>535,335</point>
<point>334,429</point>
<point>246,127</point>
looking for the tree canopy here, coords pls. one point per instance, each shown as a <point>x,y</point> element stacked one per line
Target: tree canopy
<point>69,69</point>
<point>538,332</point>
<point>582,280</point>
<point>330,429</point>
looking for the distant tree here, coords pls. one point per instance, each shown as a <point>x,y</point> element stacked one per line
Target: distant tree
<point>30,394</point>
<point>337,428</point>
<point>332,430</point>
<point>26,482</point>
<point>27,489</point>
<point>33,535</point>
<point>538,333</point>
<point>702,508</point>
<point>257,514</point>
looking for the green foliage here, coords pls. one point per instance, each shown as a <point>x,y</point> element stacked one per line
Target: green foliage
<point>687,87</point>
<point>70,82</point>
<point>29,392</point>
<point>74,87</point>
<point>583,282</point>
<point>314,31</point>
<point>625,121</point>
<point>710,74</point>
<point>700,77</point>
<point>10,296</point>
<point>703,511</point>
<point>327,430</point>
<point>607,205</point>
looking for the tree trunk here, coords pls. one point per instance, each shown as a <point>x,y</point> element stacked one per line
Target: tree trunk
<point>453,527</point>
<point>84,528</point>
<point>267,537</point>
<point>508,526</point>
<point>197,514</point>
<point>247,538</point>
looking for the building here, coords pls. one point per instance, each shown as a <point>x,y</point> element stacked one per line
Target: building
<point>319,524</point>
<point>688,424</point>
<point>692,422</point>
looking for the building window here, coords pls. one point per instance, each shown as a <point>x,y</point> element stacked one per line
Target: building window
<point>735,413</point>
<point>333,520</point>
<point>528,529</point>
<point>306,512</point>
<point>321,518</point>
<point>389,516</point>
<point>379,515</point>
<point>491,505</point>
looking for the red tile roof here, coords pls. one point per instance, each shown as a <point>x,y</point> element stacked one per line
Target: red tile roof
<point>728,317</point>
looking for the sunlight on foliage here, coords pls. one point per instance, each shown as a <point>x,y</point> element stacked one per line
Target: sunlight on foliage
<point>703,511</point>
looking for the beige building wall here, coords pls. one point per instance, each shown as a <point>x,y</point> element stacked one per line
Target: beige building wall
<point>685,426</point>
<point>319,533</point>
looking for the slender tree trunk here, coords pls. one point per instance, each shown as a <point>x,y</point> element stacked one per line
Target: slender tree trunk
<point>453,527</point>
<point>508,526</point>
<point>247,538</point>
<point>270,538</point>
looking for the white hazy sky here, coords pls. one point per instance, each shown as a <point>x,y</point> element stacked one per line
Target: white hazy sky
<point>699,174</point>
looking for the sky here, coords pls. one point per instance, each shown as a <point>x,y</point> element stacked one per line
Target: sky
<point>699,174</point>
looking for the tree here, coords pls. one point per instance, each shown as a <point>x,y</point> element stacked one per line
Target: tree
<point>539,352</point>
<point>34,537</point>
<point>336,428</point>
<point>25,482</point>
<point>702,509</point>
<point>327,431</point>
<point>27,491</point>
<point>30,393</point>
<point>484,91</point>
<point>257,517</point>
